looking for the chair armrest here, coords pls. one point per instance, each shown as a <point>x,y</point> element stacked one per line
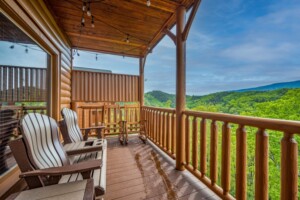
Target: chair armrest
<point>86,149</point>
<point>64,170</point>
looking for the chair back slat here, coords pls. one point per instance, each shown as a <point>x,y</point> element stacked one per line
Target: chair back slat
<point>41,136</point>
<point>71,123</point>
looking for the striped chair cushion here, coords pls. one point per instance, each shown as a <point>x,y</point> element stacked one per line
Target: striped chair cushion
<point>99,175</point>
<point>71,118</point>
<point>41,135</point>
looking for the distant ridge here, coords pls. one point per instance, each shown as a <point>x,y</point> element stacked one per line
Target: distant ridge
<point>275,86</point>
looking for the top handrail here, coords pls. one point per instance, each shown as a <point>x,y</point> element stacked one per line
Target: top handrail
<point>287,126</point>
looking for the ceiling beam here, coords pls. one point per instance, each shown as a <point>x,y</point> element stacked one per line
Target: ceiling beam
<point>108,52</point>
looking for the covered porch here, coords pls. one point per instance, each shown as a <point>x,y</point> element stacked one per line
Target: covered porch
<point>189,154</point>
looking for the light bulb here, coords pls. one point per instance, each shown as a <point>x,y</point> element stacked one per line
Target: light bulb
<point>12,46</point>
<point>93,24</point>
<point>127,39</point>
<point>84,6</point>
<point>26,50</point>
<point>78,54</point>
<point>89,13</point>
<point>82,21</point>
<point>96,56</point>
<point>148,3</point>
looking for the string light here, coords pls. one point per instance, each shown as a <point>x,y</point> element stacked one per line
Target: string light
<point>84,6</point>
<point>96,57</point>
<point>78,53</point>
<point>93,23</point>
<point>26,50</point>
<point>12,46</point>
<point>89,13</point>
<point>82,21</point>
<point>148,3</point>
<point>127,39</point>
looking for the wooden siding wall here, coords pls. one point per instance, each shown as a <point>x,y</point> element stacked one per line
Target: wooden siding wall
<point>65,88</point>
<point>104,87</point>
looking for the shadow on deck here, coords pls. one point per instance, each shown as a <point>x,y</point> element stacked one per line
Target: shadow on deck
<point>139,171</point>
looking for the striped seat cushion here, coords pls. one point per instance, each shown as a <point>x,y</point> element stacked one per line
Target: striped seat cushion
<point>71,120</point>
<point>99,175</point>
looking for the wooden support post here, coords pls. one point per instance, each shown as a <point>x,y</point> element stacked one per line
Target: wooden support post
<point>289,169</point>
<point>180,87</point>
<point>142,67</point>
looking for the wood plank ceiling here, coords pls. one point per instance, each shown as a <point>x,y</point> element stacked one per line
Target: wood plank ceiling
<point>115,21</point>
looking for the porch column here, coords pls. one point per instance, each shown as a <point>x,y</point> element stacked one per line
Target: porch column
<point>180,87</point>
<point>141,91</point>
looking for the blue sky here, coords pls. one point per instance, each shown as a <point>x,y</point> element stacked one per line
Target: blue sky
<point>232,45</point>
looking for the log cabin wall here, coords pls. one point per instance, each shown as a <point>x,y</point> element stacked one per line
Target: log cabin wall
<point>34,19</point>
<point>104,87</point>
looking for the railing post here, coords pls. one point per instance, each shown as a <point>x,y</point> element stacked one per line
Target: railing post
<point>180,86</point>
<point>203,147</point>
<point>289,169</point>
<point>241,163</point>
<point>225,169</point>
<point>195,144</point>
<point>261,165</point>
<point>214,152</point>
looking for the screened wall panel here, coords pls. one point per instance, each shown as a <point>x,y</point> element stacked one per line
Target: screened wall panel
<point>104,87</point>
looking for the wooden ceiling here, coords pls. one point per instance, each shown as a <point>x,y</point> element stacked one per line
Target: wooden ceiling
<point>115,20</point>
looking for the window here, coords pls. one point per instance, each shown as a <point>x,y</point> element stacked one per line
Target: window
<point>23,84</point>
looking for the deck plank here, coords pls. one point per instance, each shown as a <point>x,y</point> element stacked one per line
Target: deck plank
<point>137,171</point>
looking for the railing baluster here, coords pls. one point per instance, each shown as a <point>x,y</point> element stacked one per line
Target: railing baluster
<point>174,134</point>
<point>187,140</point>
<point>203,147</point>
<point>195,144</point>
<point>214,152</point>
<point>289,169</point>
<point>241,163</point>
<point>225,170</point>
<point>168,133</point>
<point>261,165</point>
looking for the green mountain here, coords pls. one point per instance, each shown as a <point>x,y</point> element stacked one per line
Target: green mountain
<point>275,86</point>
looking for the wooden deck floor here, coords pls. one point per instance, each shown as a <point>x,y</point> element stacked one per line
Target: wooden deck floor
<point>138,171</point>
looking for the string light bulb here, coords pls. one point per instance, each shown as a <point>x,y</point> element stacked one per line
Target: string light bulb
<point>127,39</point>
<point>26,50</point>
<point>89,13</point>
<point>82,21</point>
<point>148,3</point>
<point>12,46</point>
<point>78,54</point>
<point>93,23</point>
<point>96,57</point>
<point>84,6</point>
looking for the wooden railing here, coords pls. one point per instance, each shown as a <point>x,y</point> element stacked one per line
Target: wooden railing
<point>23,84</point>
<point>161,128</point>
<point>93,114</point>
<point>202,150</point>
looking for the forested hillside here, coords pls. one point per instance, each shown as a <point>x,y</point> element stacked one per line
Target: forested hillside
<point>279,104</point>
